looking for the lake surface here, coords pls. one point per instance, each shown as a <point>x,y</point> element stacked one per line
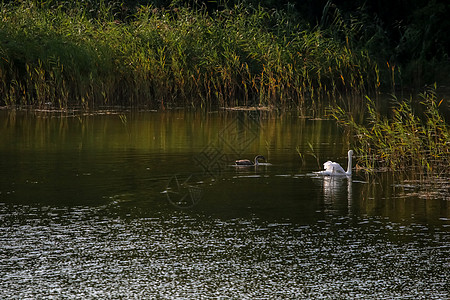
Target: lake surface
<point>148,205</point>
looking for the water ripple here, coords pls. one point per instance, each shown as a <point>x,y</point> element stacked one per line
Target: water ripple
<point>86,252</point>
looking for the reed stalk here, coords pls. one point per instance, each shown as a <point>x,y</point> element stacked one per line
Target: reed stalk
<point>241,55</point>
<point>409,140</point>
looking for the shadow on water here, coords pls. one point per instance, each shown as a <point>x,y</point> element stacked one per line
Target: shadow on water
<point>85,212</point>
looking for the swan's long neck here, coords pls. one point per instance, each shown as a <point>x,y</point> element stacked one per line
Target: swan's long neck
<point>349,166</point>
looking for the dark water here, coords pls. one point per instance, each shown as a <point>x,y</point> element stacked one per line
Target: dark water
<point>146,205</point>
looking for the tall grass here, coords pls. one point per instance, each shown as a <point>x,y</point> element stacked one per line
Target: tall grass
<point>240,55</point>
<point>414,138</point>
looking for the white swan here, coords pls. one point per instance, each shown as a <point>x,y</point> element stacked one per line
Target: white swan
<point>334,169</point>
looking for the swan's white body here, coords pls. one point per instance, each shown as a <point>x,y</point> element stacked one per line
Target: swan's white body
<point>334,169</point>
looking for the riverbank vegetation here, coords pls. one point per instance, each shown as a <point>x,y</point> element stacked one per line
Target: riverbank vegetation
<point>91,53</point>
<point>405,140</point>
<point>180,55</point>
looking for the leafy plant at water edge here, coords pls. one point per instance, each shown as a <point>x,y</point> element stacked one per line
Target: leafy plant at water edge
<point>407,141</point>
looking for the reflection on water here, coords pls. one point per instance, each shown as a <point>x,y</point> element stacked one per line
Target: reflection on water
<point>147,205</point>
<point>335,186</point>
<point>337,193</point>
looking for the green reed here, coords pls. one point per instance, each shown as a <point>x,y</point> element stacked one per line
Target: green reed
<point>415,137</point>
<point>240,55</point>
